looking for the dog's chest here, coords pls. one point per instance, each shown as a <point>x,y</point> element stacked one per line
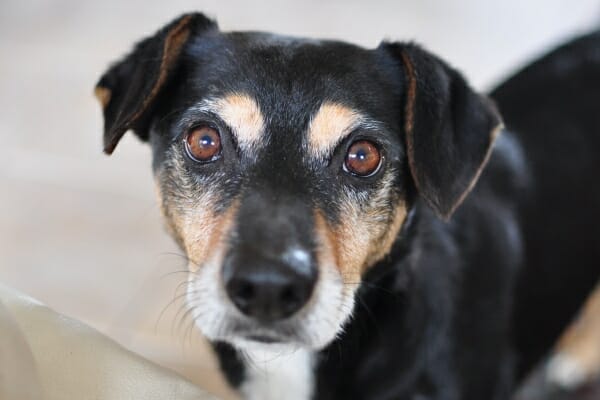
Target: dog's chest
<point>273,375</point>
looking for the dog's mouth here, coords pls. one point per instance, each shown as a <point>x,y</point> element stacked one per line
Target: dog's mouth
<point>266,339</point>
<point>246,332</point>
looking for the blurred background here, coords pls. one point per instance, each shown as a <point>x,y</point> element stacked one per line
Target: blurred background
<point>81,231</point>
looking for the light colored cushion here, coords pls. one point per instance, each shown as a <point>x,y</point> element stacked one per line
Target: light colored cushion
<point>48,356</point>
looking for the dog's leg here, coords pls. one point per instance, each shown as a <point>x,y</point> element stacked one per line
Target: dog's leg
<point>573,369</point>
<point>576,359</point>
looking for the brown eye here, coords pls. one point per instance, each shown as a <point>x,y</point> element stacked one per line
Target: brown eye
<point>363,159</point>
<point>203,144</point>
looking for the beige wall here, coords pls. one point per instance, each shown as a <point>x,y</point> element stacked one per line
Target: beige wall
<point>81,231</point>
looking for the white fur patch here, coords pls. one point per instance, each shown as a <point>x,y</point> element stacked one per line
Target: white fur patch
<point>565,371</point>
<point>207,300</point>
<point>278,373</point>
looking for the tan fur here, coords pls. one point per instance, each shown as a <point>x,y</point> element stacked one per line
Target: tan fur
<point>365,235</point>
<point>384,244</point>
<point>243,115</point>
<point>103,95</point>
<point>195,230</point>
<point>365,238</point>
<point>330,124</point>
<point>581,342</point>
<point>188,213</point>
<point>327,251</point>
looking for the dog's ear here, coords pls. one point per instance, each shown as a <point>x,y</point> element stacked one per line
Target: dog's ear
<point>131,86</point>
<point>449,128</point>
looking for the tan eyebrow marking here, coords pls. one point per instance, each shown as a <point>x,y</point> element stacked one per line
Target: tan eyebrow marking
<point>242,113</point>
<point>331,123</point>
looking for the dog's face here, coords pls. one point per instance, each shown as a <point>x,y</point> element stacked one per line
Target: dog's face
<point>285,167</point>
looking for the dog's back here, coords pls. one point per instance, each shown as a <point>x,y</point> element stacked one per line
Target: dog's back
<point>553,106</point>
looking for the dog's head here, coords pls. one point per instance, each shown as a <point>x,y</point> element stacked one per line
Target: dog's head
<point>286,167</point>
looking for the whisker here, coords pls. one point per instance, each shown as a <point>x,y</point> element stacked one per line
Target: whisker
<point>162,312</point>
<point>167,274</point>
<point>187,313</point>
<point>177,319</point>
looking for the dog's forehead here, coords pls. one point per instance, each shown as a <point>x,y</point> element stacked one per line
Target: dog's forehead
<point>284,83</point>
<point>285,56</point>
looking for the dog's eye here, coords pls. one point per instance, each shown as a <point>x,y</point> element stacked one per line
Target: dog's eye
<point>203,143</point>
<point>363,159</point>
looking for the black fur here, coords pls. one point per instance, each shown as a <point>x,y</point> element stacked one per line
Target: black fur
<point>459,125</point>
<point>132,82</point>
<point>437,318</point>
<point>554,105</point>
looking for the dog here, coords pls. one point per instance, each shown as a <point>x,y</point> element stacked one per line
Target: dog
<point>360,223</point>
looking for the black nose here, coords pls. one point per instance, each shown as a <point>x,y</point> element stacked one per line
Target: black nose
<point>268,290</point>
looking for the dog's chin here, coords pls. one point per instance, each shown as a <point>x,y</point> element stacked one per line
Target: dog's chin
<point>315,326</point>
<point>267,343</point>
<point>275,348</point>
<point>273,339</point>
<point>246,334</point>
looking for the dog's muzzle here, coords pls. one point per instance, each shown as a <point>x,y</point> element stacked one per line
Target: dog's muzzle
<point>269,288</point>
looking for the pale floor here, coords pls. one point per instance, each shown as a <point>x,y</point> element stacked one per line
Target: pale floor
<point>81,231</point>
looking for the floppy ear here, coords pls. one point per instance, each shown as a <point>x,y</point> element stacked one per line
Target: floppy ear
<point>449,128</point>
<point>130,87</point>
